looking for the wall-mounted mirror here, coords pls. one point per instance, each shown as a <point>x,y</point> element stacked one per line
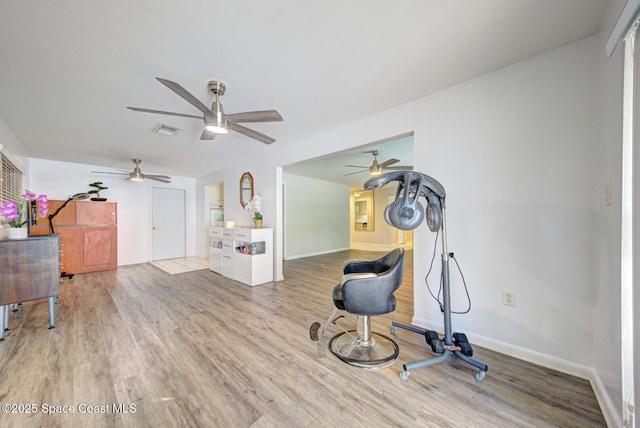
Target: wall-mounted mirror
<point>246,188</point>
<point>363,210</point>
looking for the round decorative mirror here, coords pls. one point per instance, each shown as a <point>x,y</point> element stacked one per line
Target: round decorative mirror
<point>246,189</point>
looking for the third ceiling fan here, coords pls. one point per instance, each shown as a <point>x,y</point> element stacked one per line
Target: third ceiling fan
<point>377,168</point>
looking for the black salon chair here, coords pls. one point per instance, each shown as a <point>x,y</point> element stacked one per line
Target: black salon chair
<point>366,289</point>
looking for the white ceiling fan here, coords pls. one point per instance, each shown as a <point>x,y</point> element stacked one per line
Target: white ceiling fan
<point>137,175</point>
<point>377,168</point>
<point>216,122</point>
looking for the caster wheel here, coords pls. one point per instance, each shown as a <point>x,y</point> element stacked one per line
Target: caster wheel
<point>393,330</point>
<point>480,375</point>
<point>313,331</point>
<point>404,374</point>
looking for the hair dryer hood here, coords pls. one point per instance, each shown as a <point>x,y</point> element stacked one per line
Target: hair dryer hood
<point>427,183</point>
<point>406,212</point>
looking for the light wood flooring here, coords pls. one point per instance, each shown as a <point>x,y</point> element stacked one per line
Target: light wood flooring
<point>196,349</point>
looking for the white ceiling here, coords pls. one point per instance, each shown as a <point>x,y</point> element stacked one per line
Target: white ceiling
<point>69,67</point>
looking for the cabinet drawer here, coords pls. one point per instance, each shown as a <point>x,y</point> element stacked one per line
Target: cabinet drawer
<point>242,235</point>
<point>227,247</point>
<point>215,232</point>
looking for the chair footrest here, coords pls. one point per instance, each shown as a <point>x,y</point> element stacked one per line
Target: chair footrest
<point>381,351</point>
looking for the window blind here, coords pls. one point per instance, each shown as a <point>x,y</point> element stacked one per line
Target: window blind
<point>11,183</point>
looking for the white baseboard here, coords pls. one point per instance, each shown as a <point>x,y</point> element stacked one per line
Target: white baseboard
<point>362,246</point>
<point>366,246</point>
<point>318,253</point>
<point>606,404</point>
<point>611,416</point>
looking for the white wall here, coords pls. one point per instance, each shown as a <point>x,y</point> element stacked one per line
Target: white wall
<point>316,215</point>
<point>59,180</point>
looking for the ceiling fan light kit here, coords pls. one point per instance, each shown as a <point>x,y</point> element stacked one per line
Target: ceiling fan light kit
<point>217,128</point>
<point>218,124</point>
<point>215,121</point>
<point>136,176</point>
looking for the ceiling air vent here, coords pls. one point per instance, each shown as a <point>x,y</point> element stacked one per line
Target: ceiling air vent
<point>163,129</point>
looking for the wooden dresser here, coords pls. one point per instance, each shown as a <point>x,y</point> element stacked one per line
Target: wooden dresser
<point>88,235</point>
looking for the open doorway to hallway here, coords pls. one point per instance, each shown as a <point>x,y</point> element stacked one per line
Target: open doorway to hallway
<point>319,202</point>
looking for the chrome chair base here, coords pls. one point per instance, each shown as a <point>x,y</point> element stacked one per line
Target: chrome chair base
<point>379,351</point>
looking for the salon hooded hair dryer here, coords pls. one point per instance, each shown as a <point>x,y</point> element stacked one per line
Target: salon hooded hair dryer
<point>406,212</point>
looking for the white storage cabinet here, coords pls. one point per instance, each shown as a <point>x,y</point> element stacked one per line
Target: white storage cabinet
<point>247,255</point>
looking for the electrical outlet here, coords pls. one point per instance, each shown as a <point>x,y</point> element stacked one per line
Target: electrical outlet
<point>508,298</point>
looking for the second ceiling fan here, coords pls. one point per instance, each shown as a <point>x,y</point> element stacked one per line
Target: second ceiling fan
<point>216,122</point>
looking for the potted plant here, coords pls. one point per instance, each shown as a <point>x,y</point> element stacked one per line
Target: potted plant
<point>255,204</point>
<point>97,188</point>
<point>17,213</point>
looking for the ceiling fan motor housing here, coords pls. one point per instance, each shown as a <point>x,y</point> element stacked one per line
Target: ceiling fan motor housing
<point>216,87</point>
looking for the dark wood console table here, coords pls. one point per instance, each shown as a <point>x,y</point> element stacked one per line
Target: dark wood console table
<point>29,270</point>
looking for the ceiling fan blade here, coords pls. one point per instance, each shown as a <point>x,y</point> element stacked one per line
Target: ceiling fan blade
<point>207,135</point>
<point>389,162</point>
<point>251,133</point>
<point>357,172</point>
<point>161,178</point>
<point>358,166</point>
<point>166,177</point>
<point>185,94</point>
<point>108,172</point>
<point>146,110</point>
<point>255,116</point>
<point>399,168</point>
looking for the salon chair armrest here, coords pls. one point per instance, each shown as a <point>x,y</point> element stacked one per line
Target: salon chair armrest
<point>356,275</point>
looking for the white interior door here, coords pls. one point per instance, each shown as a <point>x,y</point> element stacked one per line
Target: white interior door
<point>168,223</point>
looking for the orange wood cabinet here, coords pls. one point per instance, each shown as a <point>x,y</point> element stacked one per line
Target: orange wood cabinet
<point>88,235</point>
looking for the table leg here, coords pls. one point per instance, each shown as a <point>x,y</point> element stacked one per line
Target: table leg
<point>3,309</point>
<point>52,308</point>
